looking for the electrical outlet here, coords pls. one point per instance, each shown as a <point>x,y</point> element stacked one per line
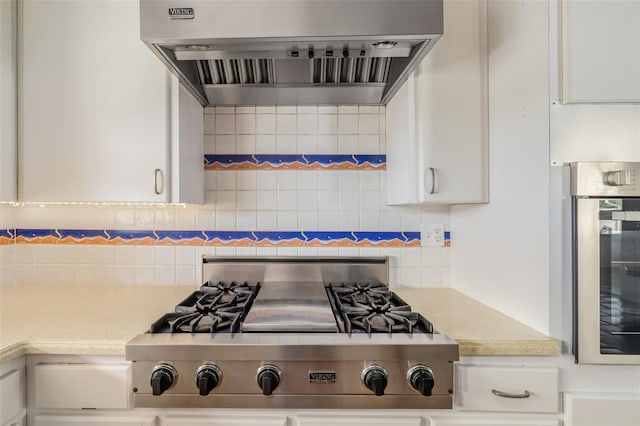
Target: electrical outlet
<point>432,235</point>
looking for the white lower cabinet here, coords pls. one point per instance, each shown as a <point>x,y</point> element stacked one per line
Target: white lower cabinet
<point>601,409</point>
<point>225,421</point>
<point>94,420</point>
<point>386,420</point>
<point>491,421</point>
<point>12,393</point>
<point>508,389</point>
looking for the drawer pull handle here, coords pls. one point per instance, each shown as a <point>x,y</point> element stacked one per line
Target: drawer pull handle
<point>525,394</point>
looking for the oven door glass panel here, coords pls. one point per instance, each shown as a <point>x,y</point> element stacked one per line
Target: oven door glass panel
<point>620,276</point>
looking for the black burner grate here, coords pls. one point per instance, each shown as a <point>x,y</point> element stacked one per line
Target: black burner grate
<point>216,307</point>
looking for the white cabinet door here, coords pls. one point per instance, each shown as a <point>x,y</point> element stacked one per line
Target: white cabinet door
<point>491,421</point>
<point>8,100</point>
<point>386,420</point>
<point>437,140</point>
<point>94,420</point>
<point>598,409</point>
<point>218,420</point>
<point>96,106</point>
<point>11,395</point>
<point>601,51</point>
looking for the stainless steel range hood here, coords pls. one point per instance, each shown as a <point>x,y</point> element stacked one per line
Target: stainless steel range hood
<point>291,52</point>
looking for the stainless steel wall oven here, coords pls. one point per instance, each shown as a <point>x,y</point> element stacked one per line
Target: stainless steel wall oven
<point>606,262</point>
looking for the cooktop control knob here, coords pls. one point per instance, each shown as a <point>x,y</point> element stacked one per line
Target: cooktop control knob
<point>374,377</point>
<point>421,379</point>
<point>208,377</point>
<point>268,378</point>
<point>163,377</point>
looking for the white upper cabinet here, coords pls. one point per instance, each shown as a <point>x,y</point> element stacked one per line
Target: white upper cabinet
<point>600,51</point>
<point>437,141</point>
<point>99,119</point>
<point>8,106</point>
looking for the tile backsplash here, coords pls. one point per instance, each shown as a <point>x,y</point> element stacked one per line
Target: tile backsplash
<point>285,181</point>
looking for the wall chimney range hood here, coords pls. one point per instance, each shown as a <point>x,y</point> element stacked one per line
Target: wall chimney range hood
<point>291,52</point>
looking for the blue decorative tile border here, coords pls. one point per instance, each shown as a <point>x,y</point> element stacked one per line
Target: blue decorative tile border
<point>215,238</point>
<point>294,162</point>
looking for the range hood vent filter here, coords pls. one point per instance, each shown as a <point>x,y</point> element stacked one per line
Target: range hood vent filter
<point>351,70</point>
<point>236,71</point>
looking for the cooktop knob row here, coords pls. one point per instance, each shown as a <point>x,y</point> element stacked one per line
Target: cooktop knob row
<point>163,377</point>
<point>268,378</point>
<point>208,377</point>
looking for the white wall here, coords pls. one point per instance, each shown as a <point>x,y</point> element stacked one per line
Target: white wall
<point>501,251</point>
<point>7,251</point>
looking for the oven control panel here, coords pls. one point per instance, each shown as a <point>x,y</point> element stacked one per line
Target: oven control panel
<point>594,179</point>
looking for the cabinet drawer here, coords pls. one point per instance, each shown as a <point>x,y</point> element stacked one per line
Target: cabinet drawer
<point>225,421</point>
<point>94,420</point>
<point>595,409</point>
<point>82,385</point>
<point>487,388</point>
<point>18,421</point>
<point>10,395</point>
<point>359,420</point>
<point>490,421</point>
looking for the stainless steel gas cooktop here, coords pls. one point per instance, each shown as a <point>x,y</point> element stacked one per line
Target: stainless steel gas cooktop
<point>293,333</point>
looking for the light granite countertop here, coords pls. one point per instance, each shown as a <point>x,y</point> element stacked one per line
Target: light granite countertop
<point>100,319</point>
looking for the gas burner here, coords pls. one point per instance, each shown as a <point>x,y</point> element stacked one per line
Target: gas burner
<point>361,292</point>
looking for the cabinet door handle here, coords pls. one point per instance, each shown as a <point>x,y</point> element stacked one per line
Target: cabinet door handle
<point>434,180</point>
<point>158,182</point>
<point>525,394</point>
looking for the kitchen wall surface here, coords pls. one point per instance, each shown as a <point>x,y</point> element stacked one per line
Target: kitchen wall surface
<point>7,249</point>
<point>287,181</point>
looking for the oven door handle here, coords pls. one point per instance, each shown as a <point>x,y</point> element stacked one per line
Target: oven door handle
<point>628,216</point>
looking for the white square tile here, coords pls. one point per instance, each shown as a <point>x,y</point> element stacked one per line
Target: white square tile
<point>144,255</point>
<point>267,179</point>
<point>369,200</point>
<point>327,124</point>
<point>383,123</point>
<point>308,220</point>
<point>185,255</point>
<point>390,221</point>
<point>247,180</point>
<point>266,251</point>
<point>286,109</point>
<point>210,198</point>
<point>328,220</point>
<point>287,220</point>
<point>267,200</point>
<point>308,180</point>
<point>144,275</point>
<point>247,200</point>
<point>265,144</point>
<point>287,251</point>
<point>328,251</point>
<point>369,251</point>
<point>287,180</point>
<point>348,124</point>
<point>209,110</point>
<point>431,256</point>
<point>328,180</point>
<point>307,109</point>
<point>165,255</point>
<point>287,200</point>
<point>246,221</point>
<point>225,200</point>
<point>308,200</point>
<point>186,275</point>
<point>245,251</point>
<point>369,180</point>
<point>410,220</point>
<point>266,123</point>
<point>225,110</point>
<point>205,219</point>
<point>226,220</point>
<point>286,144</point>
<point>383,109</point>
<point>225,251</point>
<point>123,275</point>
<point>245,123</point>
<point>431,277</point>
<point>286,124</point>
<point>348,109</point>
<point>267,221</point>
<point>225,144</point>
<point>209,144</point>
<point>226,180</point>
<point>349,200</point>
<point>410,277</point>
<point>245,110</point>
<point>411,257</point>
<point>266,109</point>
<point>144,219</point>
<point>327,109</point>
<point>124,219</point>
<point>307,124</point>
<point>307,251</point>
<point>163,219</point>
<point>225,123</point>
<point>209,124</point>
<point>328,200</point>
<point>369,220</point>
<point>185,219</point>
<point>348,251</point>
<point>348,144</point>
<point>369,124</point>
<point>348,180</point>
<point>165,275</point>
<point>349,220</point>
<point>383,144</point>
<point>245,144</point>
<point>307,144</point>
<point>327,144</point>
<point>369,144</point>
<point>124,255</point>
<point>369,109</point>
